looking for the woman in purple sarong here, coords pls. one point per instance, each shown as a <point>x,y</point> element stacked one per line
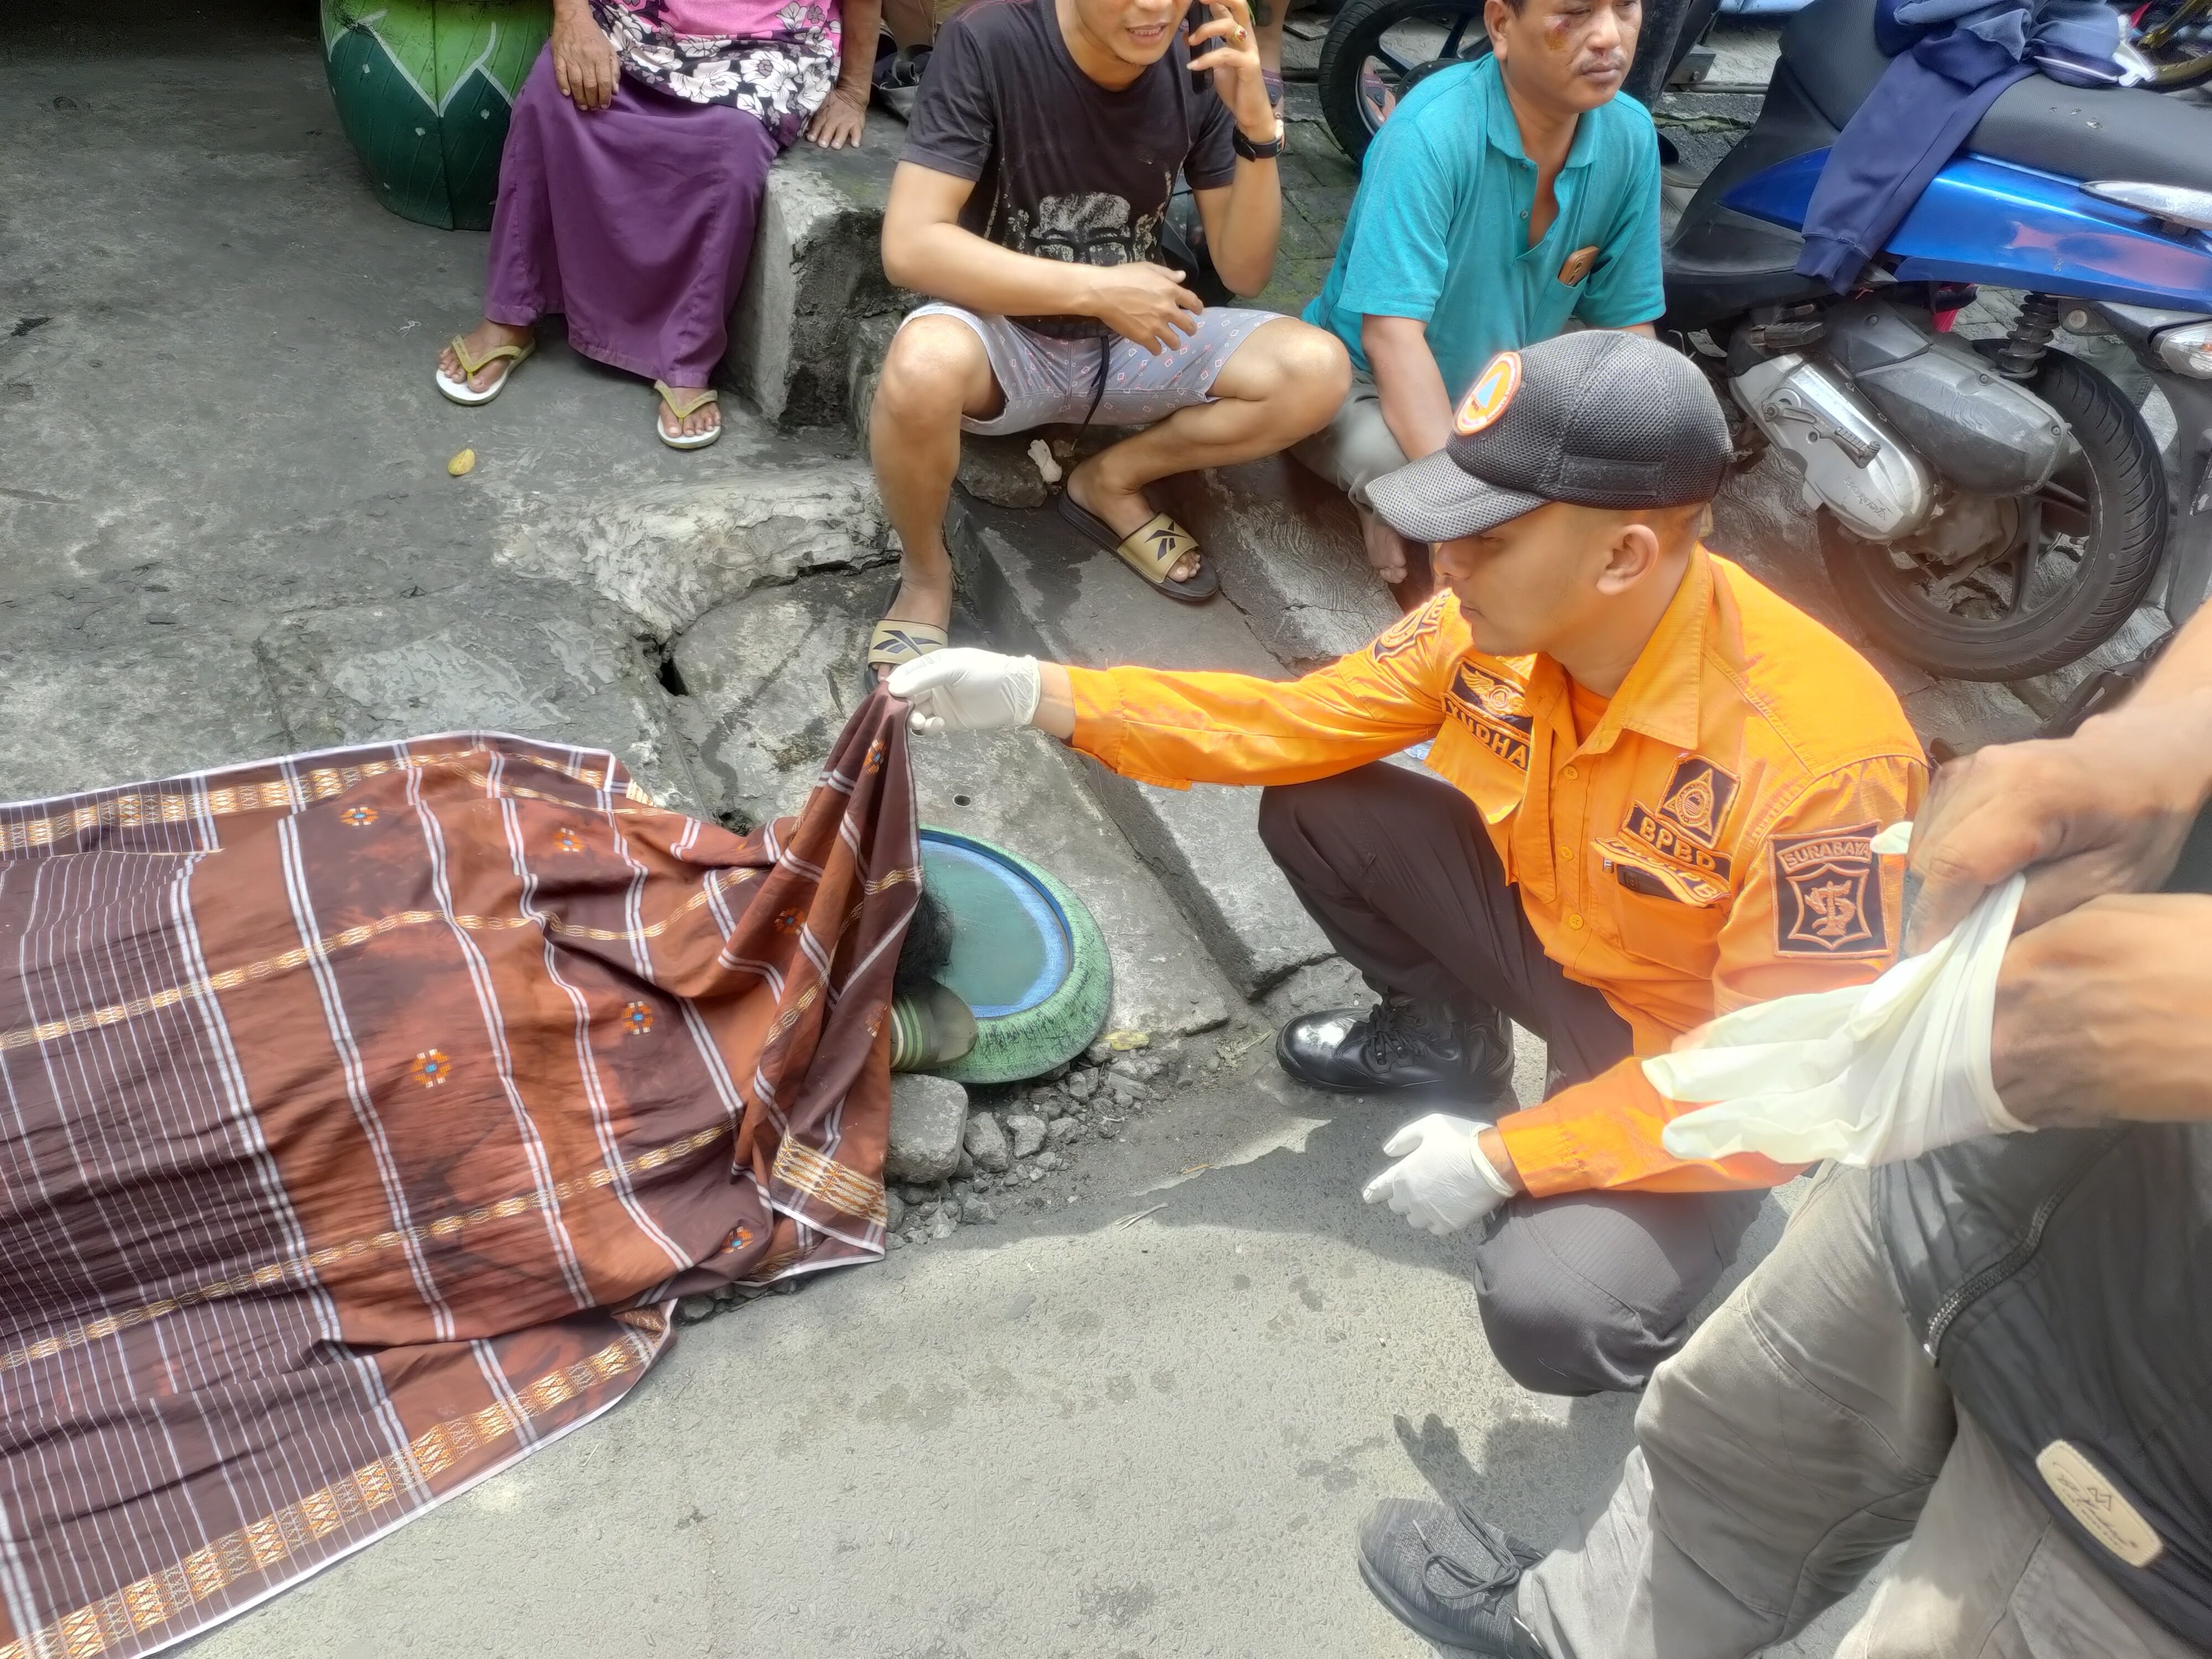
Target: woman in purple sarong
<point>633,176</point>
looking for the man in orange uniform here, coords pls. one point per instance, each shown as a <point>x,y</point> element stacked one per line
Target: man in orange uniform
<point>1650,789</point>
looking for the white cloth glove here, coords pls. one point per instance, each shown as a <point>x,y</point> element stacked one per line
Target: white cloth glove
<point>1442,1180</point>
<point>1869,1074</point>
<point>961,688</point>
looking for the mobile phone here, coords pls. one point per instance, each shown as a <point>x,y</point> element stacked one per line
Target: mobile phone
<point>1199,14</point>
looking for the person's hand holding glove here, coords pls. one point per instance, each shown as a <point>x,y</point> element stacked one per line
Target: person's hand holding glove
<point>961,688</point>
<point>1441,1181</point>
<point>1865,1075</point>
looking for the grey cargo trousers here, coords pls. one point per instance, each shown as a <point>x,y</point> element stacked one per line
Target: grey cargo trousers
<point>1798,1437</point>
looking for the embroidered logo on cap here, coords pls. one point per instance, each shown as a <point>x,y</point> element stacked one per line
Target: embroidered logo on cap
<point>1577,267</point>
<point>1827,899</point>
<point>1493,390</point>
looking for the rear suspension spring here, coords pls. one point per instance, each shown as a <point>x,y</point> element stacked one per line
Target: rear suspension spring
<point>2022,354</point>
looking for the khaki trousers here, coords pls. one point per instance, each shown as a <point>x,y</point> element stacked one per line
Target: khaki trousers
<point>1799,1436</point>
<point>1355,448</point>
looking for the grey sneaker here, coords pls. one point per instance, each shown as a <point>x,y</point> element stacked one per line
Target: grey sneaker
<point>1449,1575</point>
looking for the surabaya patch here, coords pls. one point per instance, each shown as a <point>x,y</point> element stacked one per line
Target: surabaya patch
<point>1698,799</point>
<point>1828,894</point>
<point>1495,710</point>
<point>1493,391</point>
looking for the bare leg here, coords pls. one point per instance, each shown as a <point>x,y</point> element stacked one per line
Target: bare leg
<point>1284,383</point>
<point>1403,565</point>
<point>1268,17</point>
<point>482,338</point>
<point>1391,554</point>
<point>910,22</point>
<point>937,372</point>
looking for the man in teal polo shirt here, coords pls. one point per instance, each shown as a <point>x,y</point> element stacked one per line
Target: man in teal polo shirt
<point>1500,200</point>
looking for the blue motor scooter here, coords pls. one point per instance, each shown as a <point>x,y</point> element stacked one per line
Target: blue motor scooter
<point>1989,509</point>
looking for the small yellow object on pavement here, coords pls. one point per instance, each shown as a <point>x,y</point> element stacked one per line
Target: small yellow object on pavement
<point>462,464</point>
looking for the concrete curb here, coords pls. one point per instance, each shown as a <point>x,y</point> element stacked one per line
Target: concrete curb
<point>817,273</point>
<point>1039,588</point>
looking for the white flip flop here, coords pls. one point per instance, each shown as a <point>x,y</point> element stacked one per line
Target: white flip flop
<point>460,391</point>
<point>684,410</point>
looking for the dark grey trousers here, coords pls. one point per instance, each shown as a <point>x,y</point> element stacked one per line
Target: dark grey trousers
<point>1579,1294</point>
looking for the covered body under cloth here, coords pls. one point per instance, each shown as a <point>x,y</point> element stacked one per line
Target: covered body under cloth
<point>363,1114</point>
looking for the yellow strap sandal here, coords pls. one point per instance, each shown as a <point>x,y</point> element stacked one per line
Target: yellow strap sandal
<point>891,643</point>
<point>1151,549</point>
<point>459,390</point>
<point>683,407</point>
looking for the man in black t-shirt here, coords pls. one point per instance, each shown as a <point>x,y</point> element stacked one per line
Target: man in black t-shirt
<point>1028,205</point>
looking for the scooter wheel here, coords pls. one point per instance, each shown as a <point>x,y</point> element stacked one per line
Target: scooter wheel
<point>2088,550</point>
<point>1362,74</point>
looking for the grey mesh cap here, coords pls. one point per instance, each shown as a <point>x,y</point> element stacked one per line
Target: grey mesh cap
<point>1598,417</point>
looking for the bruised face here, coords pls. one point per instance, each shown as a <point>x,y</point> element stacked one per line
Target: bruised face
<point>1137,32</point>
<point>1568,53</point>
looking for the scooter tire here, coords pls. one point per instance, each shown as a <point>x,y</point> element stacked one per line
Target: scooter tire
<point>2127,512</point>
<point>1359,27</point>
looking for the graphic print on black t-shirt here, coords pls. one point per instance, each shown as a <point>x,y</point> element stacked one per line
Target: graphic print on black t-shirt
<point>1064,169</point>
<point>1084,230</point>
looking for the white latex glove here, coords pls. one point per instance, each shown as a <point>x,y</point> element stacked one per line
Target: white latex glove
<point>1865,1075</point>
<point>1442,1180</point>
<point>961,688</point>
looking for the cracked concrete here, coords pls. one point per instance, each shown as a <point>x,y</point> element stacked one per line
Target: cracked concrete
<point>670,553</point>
<point>222,466</point>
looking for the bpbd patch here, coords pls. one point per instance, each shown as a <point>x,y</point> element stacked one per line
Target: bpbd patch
<point>1669,841</point>
<point>1828,894</point>
<point>1494,710</point>
<point>1698,799</point>
<point>1632,866</point>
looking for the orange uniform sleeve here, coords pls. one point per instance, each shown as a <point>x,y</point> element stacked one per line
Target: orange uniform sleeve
<point>1817,911</point>
<point>1177,729</point>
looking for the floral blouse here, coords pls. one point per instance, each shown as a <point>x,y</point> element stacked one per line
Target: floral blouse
<point>776,59</point>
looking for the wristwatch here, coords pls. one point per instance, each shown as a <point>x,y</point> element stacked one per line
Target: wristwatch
<point>1252,152</point>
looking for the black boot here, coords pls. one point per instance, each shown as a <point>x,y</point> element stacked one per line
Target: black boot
<point>1449,1575</point>
<point>1400,1043</point>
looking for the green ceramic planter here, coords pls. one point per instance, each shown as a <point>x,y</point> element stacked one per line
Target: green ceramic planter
<point>424,88</point>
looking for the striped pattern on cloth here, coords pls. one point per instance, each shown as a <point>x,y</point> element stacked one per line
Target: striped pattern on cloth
<point>363,1113</point>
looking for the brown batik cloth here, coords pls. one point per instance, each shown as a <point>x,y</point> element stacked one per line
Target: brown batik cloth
<point>362,1113</point>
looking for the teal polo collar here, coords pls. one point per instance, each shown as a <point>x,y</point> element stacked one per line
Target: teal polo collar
<point>1504,131</point>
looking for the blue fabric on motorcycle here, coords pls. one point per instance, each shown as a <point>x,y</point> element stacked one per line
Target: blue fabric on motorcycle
<point>1949,61</point>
